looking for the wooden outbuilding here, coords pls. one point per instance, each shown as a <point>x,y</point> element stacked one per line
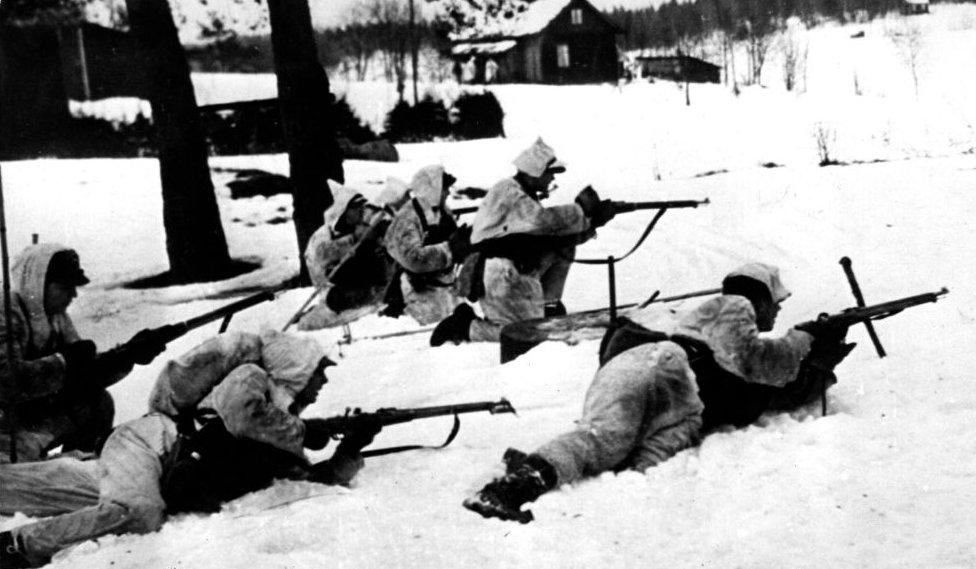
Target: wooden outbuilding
<point>552,41</point>
<point>679,67</point>
<point>43,67</point>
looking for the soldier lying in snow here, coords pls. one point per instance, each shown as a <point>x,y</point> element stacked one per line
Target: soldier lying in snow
<point>252,389</point>
<point>657,395</point>
<point>523,250</point>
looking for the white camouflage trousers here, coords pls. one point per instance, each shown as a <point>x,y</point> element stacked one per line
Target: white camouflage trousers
<point>511,296</point>
<point>640,410</point>
<point>118,493</point>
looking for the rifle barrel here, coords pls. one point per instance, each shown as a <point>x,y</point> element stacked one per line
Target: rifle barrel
<point>393,416</point>
<point>624,207</point>
<point>850,316</point>
<point>223,311</point>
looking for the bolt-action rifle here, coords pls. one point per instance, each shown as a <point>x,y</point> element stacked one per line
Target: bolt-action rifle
<point>850,316</point>
<point>169,332</point>
<point>353,418</point>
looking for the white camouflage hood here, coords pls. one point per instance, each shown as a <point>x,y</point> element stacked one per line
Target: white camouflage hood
<point>428,187</point>
<point>28,276</point>
<point>290,360</point>
<point>767,275</point>
<point>342,196</point>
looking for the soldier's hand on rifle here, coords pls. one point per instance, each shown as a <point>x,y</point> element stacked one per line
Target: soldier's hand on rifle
<point>361,434</point>
<point>317,433</point>
<point>78,358</point>
<point>598,211</point>
<point>460,244</point>
<point>145,346</point>
<point>824,331</point>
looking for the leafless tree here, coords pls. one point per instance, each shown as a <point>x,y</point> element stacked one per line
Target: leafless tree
<point>794,51</point>
<point>910,43</point>
<point>393,17</point>
<point>825,137</point>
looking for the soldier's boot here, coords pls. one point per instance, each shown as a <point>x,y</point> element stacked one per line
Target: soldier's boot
<point>11,557</point>
<point>455,327</point>
<point>504,497</point>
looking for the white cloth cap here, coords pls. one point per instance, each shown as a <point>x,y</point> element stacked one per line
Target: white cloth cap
<point>538,158</point>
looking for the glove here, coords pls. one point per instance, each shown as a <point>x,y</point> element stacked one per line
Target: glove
<point>144,346</point>
<point>317,433</point>
<point>361,435</point>
<point>78,357</point>
<point>598,211</point>
<point>587,199</point>
<point>824,332</point>
<point>460,244</point>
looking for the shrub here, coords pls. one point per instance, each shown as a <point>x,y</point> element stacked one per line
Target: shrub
<point>348,125</point>
<point>479,115</point>
<point>427,120</point>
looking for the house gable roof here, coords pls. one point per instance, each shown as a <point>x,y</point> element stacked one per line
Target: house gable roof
<point>533,20</point>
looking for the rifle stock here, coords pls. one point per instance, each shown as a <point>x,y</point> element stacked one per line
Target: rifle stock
<point>851,316</point>
<point>626,207</point>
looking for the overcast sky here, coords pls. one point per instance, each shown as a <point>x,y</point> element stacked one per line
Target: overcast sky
<point>329,13</point>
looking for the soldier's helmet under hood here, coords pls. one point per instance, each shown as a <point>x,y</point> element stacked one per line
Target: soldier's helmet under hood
<point>342,198</point>
<point>538,158</point>
<point>728,323</point>
<point>427,186</point>
<point>767,275</point>
<point>31,270</point>
<point>288,359</point>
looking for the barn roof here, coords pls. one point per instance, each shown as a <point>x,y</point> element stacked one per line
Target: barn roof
<point>482,47</point>
<point>533,20</point>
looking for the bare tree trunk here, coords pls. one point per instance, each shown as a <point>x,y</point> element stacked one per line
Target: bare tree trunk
<point>413,51</point>
<point>195,241</point>
<point>306,112</point>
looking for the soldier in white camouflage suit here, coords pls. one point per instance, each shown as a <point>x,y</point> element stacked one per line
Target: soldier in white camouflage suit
<point>524,249</point>
<point>644,403</point>
<point>427,243</point>
<point>347,259</point>
<point>256,385</point>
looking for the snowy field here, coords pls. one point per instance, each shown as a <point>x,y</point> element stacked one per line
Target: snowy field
<point>887,479</point>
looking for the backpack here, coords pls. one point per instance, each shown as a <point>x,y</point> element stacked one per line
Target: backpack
<point>209,466</point>
<point>727,398</point>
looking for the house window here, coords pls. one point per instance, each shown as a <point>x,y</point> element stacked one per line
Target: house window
<point>576,15</point>
<point>562,55</point>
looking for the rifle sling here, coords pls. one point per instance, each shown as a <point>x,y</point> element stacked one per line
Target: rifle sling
<point>647,231</point>
<point>396,449</point>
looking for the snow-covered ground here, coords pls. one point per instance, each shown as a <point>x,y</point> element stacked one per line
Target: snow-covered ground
<point>887,479</point>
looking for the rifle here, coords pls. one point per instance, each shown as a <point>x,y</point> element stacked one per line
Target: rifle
<point>167,333</point>
<point>340,425</point>
<point>627,207</point>
<point>850,316</point>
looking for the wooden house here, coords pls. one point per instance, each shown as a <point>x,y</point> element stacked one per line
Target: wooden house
<point>910,7</point>
<point>552,41</point>
<point>679,67</point>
